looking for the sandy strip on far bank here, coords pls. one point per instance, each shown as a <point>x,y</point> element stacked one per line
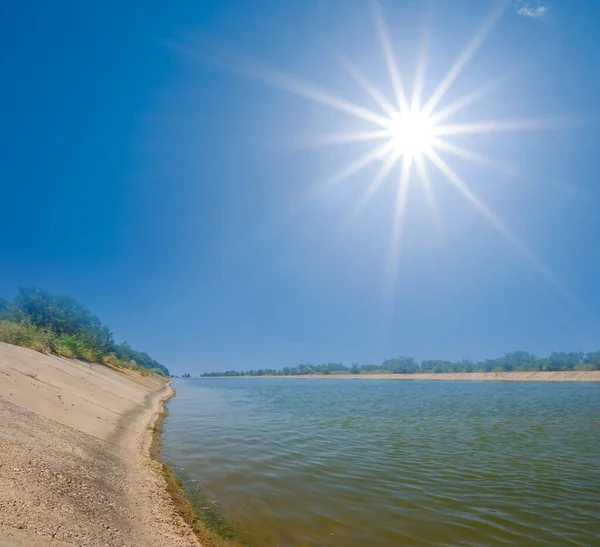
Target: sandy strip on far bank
<point>75,465</point>
<point>548,376</point>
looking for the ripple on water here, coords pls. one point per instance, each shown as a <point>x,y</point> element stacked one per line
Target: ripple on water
<point>335,463</point>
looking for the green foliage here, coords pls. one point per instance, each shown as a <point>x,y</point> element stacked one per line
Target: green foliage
<point>27,335</point>
<point>400,365</point>
<point>124,352</point>
<point>58,324</point>
<point>514,361</point>
<point>64,316</point>
<point>593,358</point>
<point>76,346</point>
<point>4,309</point>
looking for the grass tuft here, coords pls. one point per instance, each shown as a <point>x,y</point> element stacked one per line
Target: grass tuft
<point>27,336</point>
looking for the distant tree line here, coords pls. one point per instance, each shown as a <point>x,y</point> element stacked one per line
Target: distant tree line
<point>60,325</point>
<point>514,361</point>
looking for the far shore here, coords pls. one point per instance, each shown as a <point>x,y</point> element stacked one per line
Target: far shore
<point>524,376</point>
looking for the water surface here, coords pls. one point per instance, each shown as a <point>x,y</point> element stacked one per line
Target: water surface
<point>345,463</point>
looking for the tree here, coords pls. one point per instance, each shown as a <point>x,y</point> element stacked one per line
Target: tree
<point>400,365</point>
<point>4,308</point>
<point>512,361</point>
<point>593,358</point>
<point>59,324</point>
<point>564,360</point>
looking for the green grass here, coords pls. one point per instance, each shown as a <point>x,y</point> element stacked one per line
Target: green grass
<point>27,336</point>
<point>71,346</point>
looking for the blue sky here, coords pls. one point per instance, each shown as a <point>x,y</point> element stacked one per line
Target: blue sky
<point>147,174</point>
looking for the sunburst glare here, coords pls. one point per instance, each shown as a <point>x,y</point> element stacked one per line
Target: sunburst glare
<point>414,133</point>
<point>411,133</point>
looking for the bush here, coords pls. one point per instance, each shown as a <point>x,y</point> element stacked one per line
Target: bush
<point>13,333</point>
<point>110,360</point>
<point>65,350</point>
<point>27,336</point>
<point>76,347</point>
<point>58,324</point>
<point>69,346</point>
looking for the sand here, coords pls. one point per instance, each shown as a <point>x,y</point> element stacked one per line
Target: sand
<point>75,466</point>
<point>551,376</point>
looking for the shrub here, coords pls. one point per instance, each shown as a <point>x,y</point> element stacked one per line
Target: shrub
<point>65,350</point>
<point>90,354</point>
<point>13,333</point>
<point>69,346</point>
<point>110,360</point>
<point>27,336</point>
<point>58,324</point>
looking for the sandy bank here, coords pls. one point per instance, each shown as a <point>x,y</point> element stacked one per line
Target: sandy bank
<point>75,467</point>
<point>554,376</point>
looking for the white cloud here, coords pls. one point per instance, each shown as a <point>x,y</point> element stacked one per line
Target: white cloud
<point>533,9</point>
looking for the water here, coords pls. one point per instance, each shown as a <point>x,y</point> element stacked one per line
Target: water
<point>345,463</point>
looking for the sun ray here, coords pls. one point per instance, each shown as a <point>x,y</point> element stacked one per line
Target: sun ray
<point>259,71</point>
<point>474,157</point>
<point>371,189</point>
<point>419,82</point>
<point>475,201</point>
<point>423,173</point>
<point>465,57</point>
<point>377,181</point>
<point>375,94</point>
<point>332,139</point>
<point>357,165</point>
<point>318,189</point>
<point>502,126</point>
<point>467,99</point>
<point>398,222</point>
<point>309,91</point>
<point>390,58</point>
<point>413,134</point>
<point>460,152</point>
<point>497,223</point>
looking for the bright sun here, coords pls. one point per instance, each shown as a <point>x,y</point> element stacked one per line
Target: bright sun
<point>411,134</point>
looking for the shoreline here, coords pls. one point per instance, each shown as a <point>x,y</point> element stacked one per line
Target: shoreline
<point>154,505</point>
<point>80,453</point>
<point>520,376</point>
<point>75,460</point>
<point>182,504</point>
